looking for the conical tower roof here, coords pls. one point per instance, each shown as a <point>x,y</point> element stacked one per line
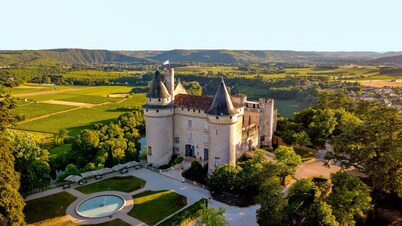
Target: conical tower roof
<point>222,104</point>
<point>158,88</point>
<point>179,88</point>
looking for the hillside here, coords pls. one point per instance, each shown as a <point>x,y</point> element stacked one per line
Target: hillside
<point>83,56</point>
<point>66,56</point>
<point>392,60</point>
<point>259,56</point>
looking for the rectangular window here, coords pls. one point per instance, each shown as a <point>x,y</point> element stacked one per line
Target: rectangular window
<point>216,132</point>
<point>149,150</point>
<point>206,126</point>
<point>205,153</point>
<point>190,136</point>
<point>176,149</point>
<point>206,139</point>
<point>217,162</point>
<point>176,140</point>
<point>189,123</point>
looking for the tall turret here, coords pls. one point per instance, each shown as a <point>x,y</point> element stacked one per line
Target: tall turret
<point>267,121</point>
<point>222,118</point>
<point>158,112</point>
<point>169,78</point>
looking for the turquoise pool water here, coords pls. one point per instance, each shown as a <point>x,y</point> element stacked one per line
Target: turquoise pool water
<point>100,206</point>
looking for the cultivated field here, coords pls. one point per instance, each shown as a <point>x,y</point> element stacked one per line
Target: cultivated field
<point>73,109</point>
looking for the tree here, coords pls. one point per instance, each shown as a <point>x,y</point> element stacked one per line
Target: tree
<point>193,88</point>
<point>287,160</point>
<point>322,126</point>
<point>60,137</point>
<point>31,162</point>
<point>71,169</point>
<point>224,179</point>
<point>319,214</point>
<point>272,203</point>
<point>301,138</point>
<point>303,187</point>
<point>373,146</point>
<point>11,202</point>
<point>344,120</point>
<point>349,198</point>
<point>212,217</point>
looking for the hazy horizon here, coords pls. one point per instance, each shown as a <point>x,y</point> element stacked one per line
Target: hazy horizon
<point>166,50</point>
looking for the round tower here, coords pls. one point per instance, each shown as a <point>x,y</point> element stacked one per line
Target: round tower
<point>158,112</point>
<point>222,118</point>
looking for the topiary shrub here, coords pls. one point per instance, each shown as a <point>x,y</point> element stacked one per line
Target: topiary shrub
<point>178,160</point>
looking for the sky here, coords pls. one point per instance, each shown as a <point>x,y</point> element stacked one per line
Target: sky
<point>308,25</point>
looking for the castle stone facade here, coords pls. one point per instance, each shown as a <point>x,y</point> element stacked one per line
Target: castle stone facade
<point>214,130</point>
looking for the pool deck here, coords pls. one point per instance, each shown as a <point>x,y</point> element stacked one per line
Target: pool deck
<point>154,181</point>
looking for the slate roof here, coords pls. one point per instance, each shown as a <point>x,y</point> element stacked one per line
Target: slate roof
<point>158,88</point>
<point>193,102</point>
<point>222,104</point>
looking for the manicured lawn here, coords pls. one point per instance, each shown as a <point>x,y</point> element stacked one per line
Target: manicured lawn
<point>47,207</point>
<point>153,206</point>
<point>115,222</point>
<point>123,184</point>
<point>188,214</point>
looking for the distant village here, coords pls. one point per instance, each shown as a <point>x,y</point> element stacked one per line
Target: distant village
<point>387,95</point>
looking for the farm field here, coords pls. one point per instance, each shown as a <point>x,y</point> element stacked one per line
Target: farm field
<point>343,72</point>
<point>75,109</point>
<point>286,108</point>
<point>32,110</point>
<point>82,118</point>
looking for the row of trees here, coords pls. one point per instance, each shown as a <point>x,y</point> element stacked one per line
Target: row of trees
<point>11,202</point>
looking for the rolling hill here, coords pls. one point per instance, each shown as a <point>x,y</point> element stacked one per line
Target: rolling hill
<point>391,60</point>
<point>84,56</point>
<point>66,56</point>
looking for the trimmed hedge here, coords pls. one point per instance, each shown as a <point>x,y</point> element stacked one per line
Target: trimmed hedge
<point>186,215</point>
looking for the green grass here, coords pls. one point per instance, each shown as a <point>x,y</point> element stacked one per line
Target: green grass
<point>286,108</point>
<point>123,184</point>
<point>115,222</point>
<point>38,109</point>
<point>252,93</point>
<point>188,214</point>
<point>84,118</point>
<point>153,206</point>
<point>47,207</point>
<point>59,150</point>
<point>91,99</point>
<point>304,154</point>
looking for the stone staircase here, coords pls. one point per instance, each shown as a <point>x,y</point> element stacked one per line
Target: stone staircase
<point>176,171</point>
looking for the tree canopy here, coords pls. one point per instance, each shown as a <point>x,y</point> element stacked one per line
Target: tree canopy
<point>349,198</point>
<point>11,202</point>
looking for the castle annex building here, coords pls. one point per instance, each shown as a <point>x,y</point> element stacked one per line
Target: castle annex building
<point>215,130</point>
